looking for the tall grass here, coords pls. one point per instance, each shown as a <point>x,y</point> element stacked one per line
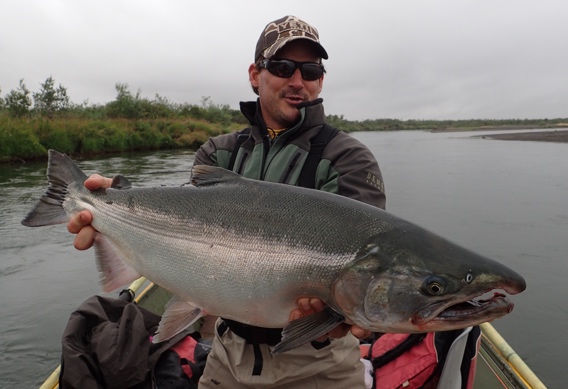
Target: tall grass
<point>132,122</point>
<point>18,140</point>
<point>31,138</point>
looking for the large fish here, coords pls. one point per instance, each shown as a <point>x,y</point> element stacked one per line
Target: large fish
<point>247,250</point>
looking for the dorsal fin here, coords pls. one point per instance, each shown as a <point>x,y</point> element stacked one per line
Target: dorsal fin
<point>120,182</point>
<point>205,175</point>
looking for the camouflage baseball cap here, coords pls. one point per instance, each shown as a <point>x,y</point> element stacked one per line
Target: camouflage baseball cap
<point>278,33</point>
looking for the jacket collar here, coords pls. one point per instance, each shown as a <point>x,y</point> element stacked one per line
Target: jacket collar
<point>312,114</point>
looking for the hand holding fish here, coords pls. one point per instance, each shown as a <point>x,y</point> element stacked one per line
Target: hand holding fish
<point>308,306</point>
<point>80,224</point>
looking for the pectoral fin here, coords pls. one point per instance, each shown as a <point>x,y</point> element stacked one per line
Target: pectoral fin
<point>308,328</point>
<point>115,272</point>
<point>179,315</point>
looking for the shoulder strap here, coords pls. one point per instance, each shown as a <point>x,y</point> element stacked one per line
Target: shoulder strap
<point>318,143</point>
<point>392,354</point>
<point>240,140</point>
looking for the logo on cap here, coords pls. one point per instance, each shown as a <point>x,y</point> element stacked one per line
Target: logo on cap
<point>282,31</point>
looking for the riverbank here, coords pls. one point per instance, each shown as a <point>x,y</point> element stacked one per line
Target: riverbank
<point>28,140</point>
<point>539,136</point>
<point>557,133</point>
<point>503,127</point>
<point>25,140</point>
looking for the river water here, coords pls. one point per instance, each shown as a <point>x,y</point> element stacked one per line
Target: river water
<point>507,200</point>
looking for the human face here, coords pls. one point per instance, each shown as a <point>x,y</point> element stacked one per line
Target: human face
<point>279,96</point>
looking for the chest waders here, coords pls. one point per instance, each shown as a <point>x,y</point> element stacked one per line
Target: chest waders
<point>317,145</point>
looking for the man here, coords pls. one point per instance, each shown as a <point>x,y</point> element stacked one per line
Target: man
<point>287,74</point>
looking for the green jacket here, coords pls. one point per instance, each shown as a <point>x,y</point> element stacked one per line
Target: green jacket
<point>347,167</point>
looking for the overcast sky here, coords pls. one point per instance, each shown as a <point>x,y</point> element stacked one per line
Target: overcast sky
<point>403,59</point>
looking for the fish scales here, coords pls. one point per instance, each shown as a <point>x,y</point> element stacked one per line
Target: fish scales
<point>249,260</point>
<point>247,250</point>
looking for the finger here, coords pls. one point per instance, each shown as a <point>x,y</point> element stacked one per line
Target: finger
<point>96,181</point>
<point>79,221</point>
<point>316,304</point>
<point>359,332</point>
<point>85,238</point>
<point>304,304</point>
<point>295,315</point>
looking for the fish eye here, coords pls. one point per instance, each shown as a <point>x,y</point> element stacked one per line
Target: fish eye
<point>469,278</point>
<point>434,286</point>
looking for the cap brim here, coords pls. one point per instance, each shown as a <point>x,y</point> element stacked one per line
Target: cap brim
<point>274,48</point>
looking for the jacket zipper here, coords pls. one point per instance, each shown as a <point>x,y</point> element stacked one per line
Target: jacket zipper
<point>291,167</point>
<point>242,163</point>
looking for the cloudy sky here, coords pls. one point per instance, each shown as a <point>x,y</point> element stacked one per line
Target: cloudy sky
<point>404,59</point>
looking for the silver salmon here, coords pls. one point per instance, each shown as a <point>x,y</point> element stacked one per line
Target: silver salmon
<point>246,250</point>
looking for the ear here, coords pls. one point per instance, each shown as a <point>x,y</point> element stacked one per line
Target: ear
<point>254,75</point>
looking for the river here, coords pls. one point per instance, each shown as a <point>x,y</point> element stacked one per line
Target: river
<point>507,200</point>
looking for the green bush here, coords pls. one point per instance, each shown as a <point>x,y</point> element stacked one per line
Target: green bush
<point>91,140</point>
<point>91,145</point>
<point>50,100</point>
<point>60,140</point>
<point>152,138</point>
<point>19,142</point>
<point>206,128</point>
<point>135,141</point>
<point>193,139</point>
<point>115,139</point>
<point>18,102</point>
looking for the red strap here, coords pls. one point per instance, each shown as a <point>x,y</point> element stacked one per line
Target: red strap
<point>185,348</point>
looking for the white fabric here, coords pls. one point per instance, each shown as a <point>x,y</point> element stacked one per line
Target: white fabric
<point>451,374</point>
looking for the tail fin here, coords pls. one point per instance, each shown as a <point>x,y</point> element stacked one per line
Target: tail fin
<point>61,172</point>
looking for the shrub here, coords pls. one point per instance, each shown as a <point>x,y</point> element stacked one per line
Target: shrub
<point>18,102</point>
<point>60,140</point>
<point>193,139</point>
<point>50,100</point>
<point>19,142</point>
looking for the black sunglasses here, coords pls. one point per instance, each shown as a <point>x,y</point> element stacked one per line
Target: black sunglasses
<point>285,68</point>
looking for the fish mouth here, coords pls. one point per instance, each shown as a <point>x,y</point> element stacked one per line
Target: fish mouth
<point>449,314</point>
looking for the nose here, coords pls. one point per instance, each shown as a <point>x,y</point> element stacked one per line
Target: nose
<point>296,80</point>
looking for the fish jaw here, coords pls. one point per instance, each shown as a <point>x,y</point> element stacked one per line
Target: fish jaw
<point>445,316</point>
<point>450,313</point>
<point>473,308</point>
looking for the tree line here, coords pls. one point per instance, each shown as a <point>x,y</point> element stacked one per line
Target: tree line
<point>33,122</point>
<point>51,101</point>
